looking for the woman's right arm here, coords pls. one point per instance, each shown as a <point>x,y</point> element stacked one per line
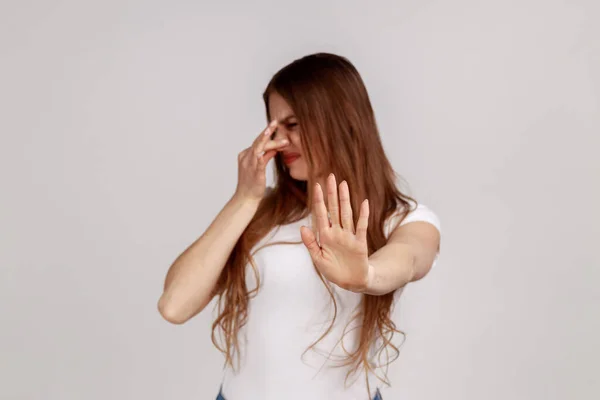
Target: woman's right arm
<point>190,281</point>
<point>192,277</point>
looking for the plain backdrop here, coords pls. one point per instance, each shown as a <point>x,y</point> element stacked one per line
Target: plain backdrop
<point>120,126</point>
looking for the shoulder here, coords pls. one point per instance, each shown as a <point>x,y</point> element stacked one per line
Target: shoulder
<point>418,213</point>
<point>423,240</point>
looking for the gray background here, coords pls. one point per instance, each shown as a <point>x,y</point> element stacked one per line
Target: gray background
<point>120,126</point>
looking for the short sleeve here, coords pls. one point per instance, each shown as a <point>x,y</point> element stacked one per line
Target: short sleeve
<point>421,213</point>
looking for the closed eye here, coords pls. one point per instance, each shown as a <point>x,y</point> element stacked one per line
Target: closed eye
<point>291,125</point>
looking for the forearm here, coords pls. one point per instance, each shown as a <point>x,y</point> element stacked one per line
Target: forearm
<point>390,268</point>
<point>192,276</point>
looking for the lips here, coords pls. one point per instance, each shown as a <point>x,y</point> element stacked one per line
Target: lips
<point>290,157</point>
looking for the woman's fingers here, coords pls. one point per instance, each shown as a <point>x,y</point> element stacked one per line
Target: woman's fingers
<point>363,222</point>
<point>267,132</point>
<point>275,144</point>
<point>252,163</point>
<point>346,208</point>
<point>264,138</point>
<point>265,158</point>
<point>320,210</point>
<point>332,201</point>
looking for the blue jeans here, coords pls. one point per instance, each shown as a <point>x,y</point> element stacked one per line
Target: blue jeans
<point>377,396</point>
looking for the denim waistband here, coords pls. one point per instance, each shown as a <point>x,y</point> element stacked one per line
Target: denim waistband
<point>377,396</point>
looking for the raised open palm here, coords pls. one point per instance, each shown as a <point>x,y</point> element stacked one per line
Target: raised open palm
<point>342,256</point>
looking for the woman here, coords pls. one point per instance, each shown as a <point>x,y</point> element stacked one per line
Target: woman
<point>307,272</point>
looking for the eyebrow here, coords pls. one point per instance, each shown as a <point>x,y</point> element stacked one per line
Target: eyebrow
<point>285,119</point>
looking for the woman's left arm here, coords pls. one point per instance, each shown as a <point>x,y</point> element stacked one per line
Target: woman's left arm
<point>342,254</point>
<point>408,256</point>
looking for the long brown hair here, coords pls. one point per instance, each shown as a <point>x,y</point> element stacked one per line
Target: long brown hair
<point>339,134</point>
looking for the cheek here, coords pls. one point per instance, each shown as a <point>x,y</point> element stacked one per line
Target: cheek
<point>296,141</point>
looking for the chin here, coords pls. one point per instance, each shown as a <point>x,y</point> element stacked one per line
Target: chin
<point>298,174</point>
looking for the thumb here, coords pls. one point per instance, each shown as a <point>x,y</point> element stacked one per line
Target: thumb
<point>310,241</point>
<point>264,160</point>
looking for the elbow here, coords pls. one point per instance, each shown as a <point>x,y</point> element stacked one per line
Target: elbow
<point>171,312</point>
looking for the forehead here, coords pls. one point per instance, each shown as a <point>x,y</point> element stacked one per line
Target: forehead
<point>279,108</point>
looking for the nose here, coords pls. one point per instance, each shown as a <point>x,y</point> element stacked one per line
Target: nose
<point>281,133</point>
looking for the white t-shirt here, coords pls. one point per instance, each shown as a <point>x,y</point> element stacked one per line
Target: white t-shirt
<point>291,310</point>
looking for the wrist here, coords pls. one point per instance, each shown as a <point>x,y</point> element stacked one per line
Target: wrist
<point>369,286</point>
<point>242,200</point>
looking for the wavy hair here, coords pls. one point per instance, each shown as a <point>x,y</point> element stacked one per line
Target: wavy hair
<point>339,134</point>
